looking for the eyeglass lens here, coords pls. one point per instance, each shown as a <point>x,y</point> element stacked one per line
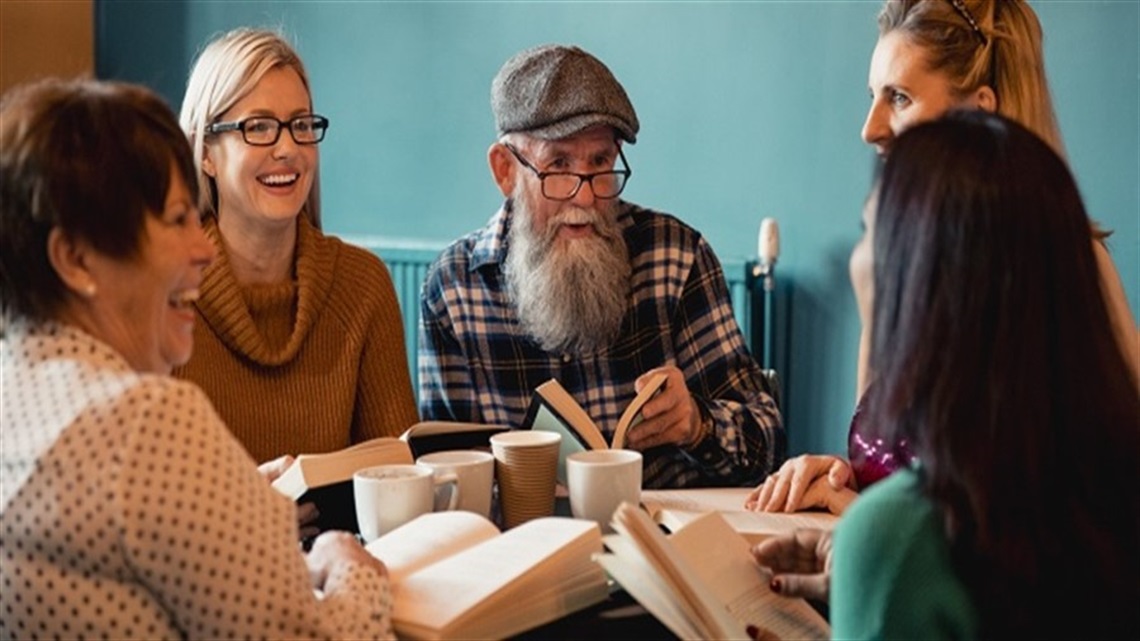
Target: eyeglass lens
<point>306,130</point>
<point>565,186</point>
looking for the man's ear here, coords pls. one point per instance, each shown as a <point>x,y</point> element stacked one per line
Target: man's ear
<point>986,99</point>
<point>502,168</point>
<point>71,258</point>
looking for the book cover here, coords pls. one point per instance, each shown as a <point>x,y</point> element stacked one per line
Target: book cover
<point>427,437</point>
<point>326,479</point>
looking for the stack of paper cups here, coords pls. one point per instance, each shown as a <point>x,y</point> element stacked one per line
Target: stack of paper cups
<point>526,465</point>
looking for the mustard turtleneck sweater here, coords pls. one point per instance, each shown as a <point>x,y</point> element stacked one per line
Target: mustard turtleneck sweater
<point>309,365</point>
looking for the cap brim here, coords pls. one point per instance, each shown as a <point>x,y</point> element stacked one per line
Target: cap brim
<point>574,124</point>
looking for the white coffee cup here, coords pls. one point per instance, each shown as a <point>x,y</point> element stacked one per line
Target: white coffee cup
<point>388,496</point>
<point>475,471</point>
<point>600,480</point>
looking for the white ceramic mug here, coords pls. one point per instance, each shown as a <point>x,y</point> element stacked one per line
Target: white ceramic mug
<point>599,480</point>
<point>475,472</point>
<point>388,496</point>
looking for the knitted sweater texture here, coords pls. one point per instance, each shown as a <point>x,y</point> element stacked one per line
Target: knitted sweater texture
<point>309,365</point>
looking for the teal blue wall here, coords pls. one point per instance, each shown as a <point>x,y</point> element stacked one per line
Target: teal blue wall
<point>747,109</point>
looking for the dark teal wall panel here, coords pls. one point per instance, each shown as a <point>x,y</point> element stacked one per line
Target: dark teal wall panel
<point>748,109</point>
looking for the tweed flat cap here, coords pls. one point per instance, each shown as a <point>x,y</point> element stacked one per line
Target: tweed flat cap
<point>554,91</point>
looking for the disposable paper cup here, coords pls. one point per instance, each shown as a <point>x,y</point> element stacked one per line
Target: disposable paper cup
<point>526,465</point>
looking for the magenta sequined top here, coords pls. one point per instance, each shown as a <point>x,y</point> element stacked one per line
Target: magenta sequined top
<point>871,459</point>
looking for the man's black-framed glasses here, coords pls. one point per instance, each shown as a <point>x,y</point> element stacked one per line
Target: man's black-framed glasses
<point>263,131</point>
<point>564,185</point>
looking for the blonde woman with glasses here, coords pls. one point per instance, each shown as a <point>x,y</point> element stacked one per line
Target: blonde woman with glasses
<point>300,343</point>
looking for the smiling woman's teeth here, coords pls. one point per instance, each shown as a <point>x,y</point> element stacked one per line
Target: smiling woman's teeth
<point>279,179</point>
<point>184,298</point>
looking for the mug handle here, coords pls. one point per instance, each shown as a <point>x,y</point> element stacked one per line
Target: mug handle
<point>446,478</point>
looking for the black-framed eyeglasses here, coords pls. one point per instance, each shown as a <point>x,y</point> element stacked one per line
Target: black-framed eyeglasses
<point>564,185</point>
<point>263,131</point>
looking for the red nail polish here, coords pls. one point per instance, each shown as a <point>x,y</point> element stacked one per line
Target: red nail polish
<point>752,631</point>
<point>775,585</point>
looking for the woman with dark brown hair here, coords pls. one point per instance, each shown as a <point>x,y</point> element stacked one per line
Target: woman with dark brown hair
<point>996,364</point>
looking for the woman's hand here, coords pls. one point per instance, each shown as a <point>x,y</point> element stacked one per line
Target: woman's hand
<point>800,563</point>
<point>333,553</point>
<point>793,487</point>
<point>306,512</point>
<point>271,470</point>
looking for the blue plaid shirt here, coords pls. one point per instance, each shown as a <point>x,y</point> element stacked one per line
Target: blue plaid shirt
<point>477,365</point>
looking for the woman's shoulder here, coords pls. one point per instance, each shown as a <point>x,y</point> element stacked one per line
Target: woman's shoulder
<point>898,500</point>
<point>892,573</point>
<point>160,395</point>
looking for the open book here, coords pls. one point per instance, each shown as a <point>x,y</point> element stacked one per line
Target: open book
<point>553,409</point>
<point>701,581</point>
<point>455,576</point>
<point>326,479</point>
<point>675,508</point>
<point>426,437</point>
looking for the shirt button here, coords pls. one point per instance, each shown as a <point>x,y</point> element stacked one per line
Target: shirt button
<point>566,358</point>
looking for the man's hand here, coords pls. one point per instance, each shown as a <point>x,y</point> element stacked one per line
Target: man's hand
<point>800,563</point>
<point>805,482</point>
<point>671,416</point>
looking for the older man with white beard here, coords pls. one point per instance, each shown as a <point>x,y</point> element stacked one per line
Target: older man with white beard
<point>567,281</point>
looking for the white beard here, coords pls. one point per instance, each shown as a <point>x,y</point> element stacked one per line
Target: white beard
<point>570,295</point>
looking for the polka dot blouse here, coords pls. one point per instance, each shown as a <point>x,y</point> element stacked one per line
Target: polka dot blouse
<point>127,510</point>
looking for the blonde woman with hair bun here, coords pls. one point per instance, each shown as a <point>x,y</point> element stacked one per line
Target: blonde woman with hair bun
<point>933,56</point>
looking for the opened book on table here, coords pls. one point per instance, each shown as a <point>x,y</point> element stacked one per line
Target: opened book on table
<point>426,437</point>
<point>672,509</point>
<point>455,576</point>
<point>702,581</point>
<point>553,409</point>
<point>326,479</point>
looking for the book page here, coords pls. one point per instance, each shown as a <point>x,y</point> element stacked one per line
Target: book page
<point>541,416</point>
<point>432,428</point>
<point>537,555</point>
<point>632,414</point>
<point>725,564</point>
<point>567,410</point>
<point>714,499</point>
<point>675,508</point>
<point>427,539</point>
<point>427,437</point>
<point>316,470</point>
<point>704,610</point>
<point>629,567</point>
